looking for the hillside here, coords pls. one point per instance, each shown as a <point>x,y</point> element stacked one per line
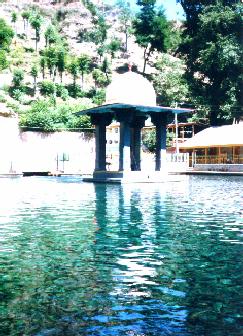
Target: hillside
<point>57,57</point>
<point>70,20</point>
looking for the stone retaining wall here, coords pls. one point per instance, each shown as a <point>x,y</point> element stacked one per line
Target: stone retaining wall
<point>219,167</point>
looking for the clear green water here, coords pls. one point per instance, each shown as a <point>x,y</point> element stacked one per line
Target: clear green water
<point>140,260</point>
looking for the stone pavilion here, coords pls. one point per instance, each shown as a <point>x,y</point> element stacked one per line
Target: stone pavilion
<point>130,100</point>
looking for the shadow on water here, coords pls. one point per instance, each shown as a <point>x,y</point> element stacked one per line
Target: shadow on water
<point>144,260</point>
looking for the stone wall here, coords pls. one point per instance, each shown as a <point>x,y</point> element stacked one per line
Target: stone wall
<point>40,151</point>
<point>219,167</point>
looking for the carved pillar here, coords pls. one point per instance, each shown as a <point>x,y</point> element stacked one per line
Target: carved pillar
<point>100,121</point>
<point>160,120</point>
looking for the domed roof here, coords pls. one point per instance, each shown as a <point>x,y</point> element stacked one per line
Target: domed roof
<point>131,88</point>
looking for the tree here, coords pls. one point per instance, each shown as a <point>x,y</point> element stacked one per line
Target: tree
<point>99,78</point>
<point>212,49</point>
<point>18,77</point>
<point>51,57</point>
<point>26,16</point>
<point>84,64</point>
<point>169,82</point>
<point>51,35</point>
<point>125,17</point>
<point>105,67</point>
<point>36,21</point>
<point>61,61</point>
<point>98,34</point>
<point>34,73</point>
<point>3,60</point>
<point>101,51</point>
<point>43,66</point>
<point>6,35</point>
<point>151,29</point>
<point>74,69</point>
<point>14,18</point>
<point>114,46</point>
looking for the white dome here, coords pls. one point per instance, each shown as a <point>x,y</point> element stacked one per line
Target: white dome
<point>131,88</point>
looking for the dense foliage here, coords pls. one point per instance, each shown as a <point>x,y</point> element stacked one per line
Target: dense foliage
<point>45,115</point>
<point>151,29</point>
<point>212,46</point>
<point>169,83</point>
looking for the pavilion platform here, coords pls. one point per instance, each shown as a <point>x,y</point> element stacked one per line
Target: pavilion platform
<point>122,177</point>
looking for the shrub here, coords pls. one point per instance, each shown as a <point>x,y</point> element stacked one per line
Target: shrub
<point>48,117</point>
<point>40,115</point>
<point>149,140</point>
<point>29,49</point>
<point>97,96</point>
<point>75,91</point>
<point>100,78</point>
<point>47,88</point>
<point>3,60</point>
<point>2,99</point>
<point>17,94</point>
<point>61,91</point>
<point>18,78</point>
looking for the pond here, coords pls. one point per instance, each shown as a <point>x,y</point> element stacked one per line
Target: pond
<point>138,259</point>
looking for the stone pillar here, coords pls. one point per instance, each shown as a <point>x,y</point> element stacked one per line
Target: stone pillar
<point>160,120</point>
<point>125,119</point>
<point>100,122</point>
<point>124,146</point>
<point>137,125</point>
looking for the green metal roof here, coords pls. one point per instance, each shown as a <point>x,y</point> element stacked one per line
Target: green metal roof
<point>112,108</point>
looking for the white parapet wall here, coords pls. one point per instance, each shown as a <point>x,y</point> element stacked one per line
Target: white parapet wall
<point>71,152</point>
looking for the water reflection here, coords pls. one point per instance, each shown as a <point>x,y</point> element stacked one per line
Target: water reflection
<point>84,259</point>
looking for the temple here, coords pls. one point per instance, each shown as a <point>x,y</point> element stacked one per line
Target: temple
<point>130,100</point>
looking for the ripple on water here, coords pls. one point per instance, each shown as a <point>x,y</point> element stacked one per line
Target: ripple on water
<point>84,259</point>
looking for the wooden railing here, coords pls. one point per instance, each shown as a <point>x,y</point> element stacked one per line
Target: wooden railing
<point>218,159</point>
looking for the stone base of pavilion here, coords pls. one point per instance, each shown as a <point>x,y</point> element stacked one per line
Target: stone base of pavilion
<point>130,177</point>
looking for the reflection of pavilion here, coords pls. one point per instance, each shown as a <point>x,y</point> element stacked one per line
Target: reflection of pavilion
<point>130,100</point>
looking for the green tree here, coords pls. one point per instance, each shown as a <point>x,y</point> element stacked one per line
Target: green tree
<point>98,34</point>
<point>43,66</point>
<point>84,65</point>
<point>14,17</point>
<point>61,62</point>
<point>51,57</point>
<point>105,67</point>
<point>114,46</point>
<point>101,51</point>
<point>6,35</point>
<point>149,140</point>
<point>99,78</point>
<point>34,73</point>
<point>213,52</point>
<point>40,115</point>
<point>36,22</point>
<point>169,82</point>
<point>125,17</point>
<point>3,60</point>
<point>26,16</point>
<point>151,29</point>
<point>18,78</point>
<point>74,69</point>
<point>47,88</point>
<point>51,35</point>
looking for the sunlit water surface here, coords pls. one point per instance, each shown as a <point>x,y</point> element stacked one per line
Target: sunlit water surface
<point>138,259</point>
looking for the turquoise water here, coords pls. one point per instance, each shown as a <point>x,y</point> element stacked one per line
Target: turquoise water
<point>140,260</point>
